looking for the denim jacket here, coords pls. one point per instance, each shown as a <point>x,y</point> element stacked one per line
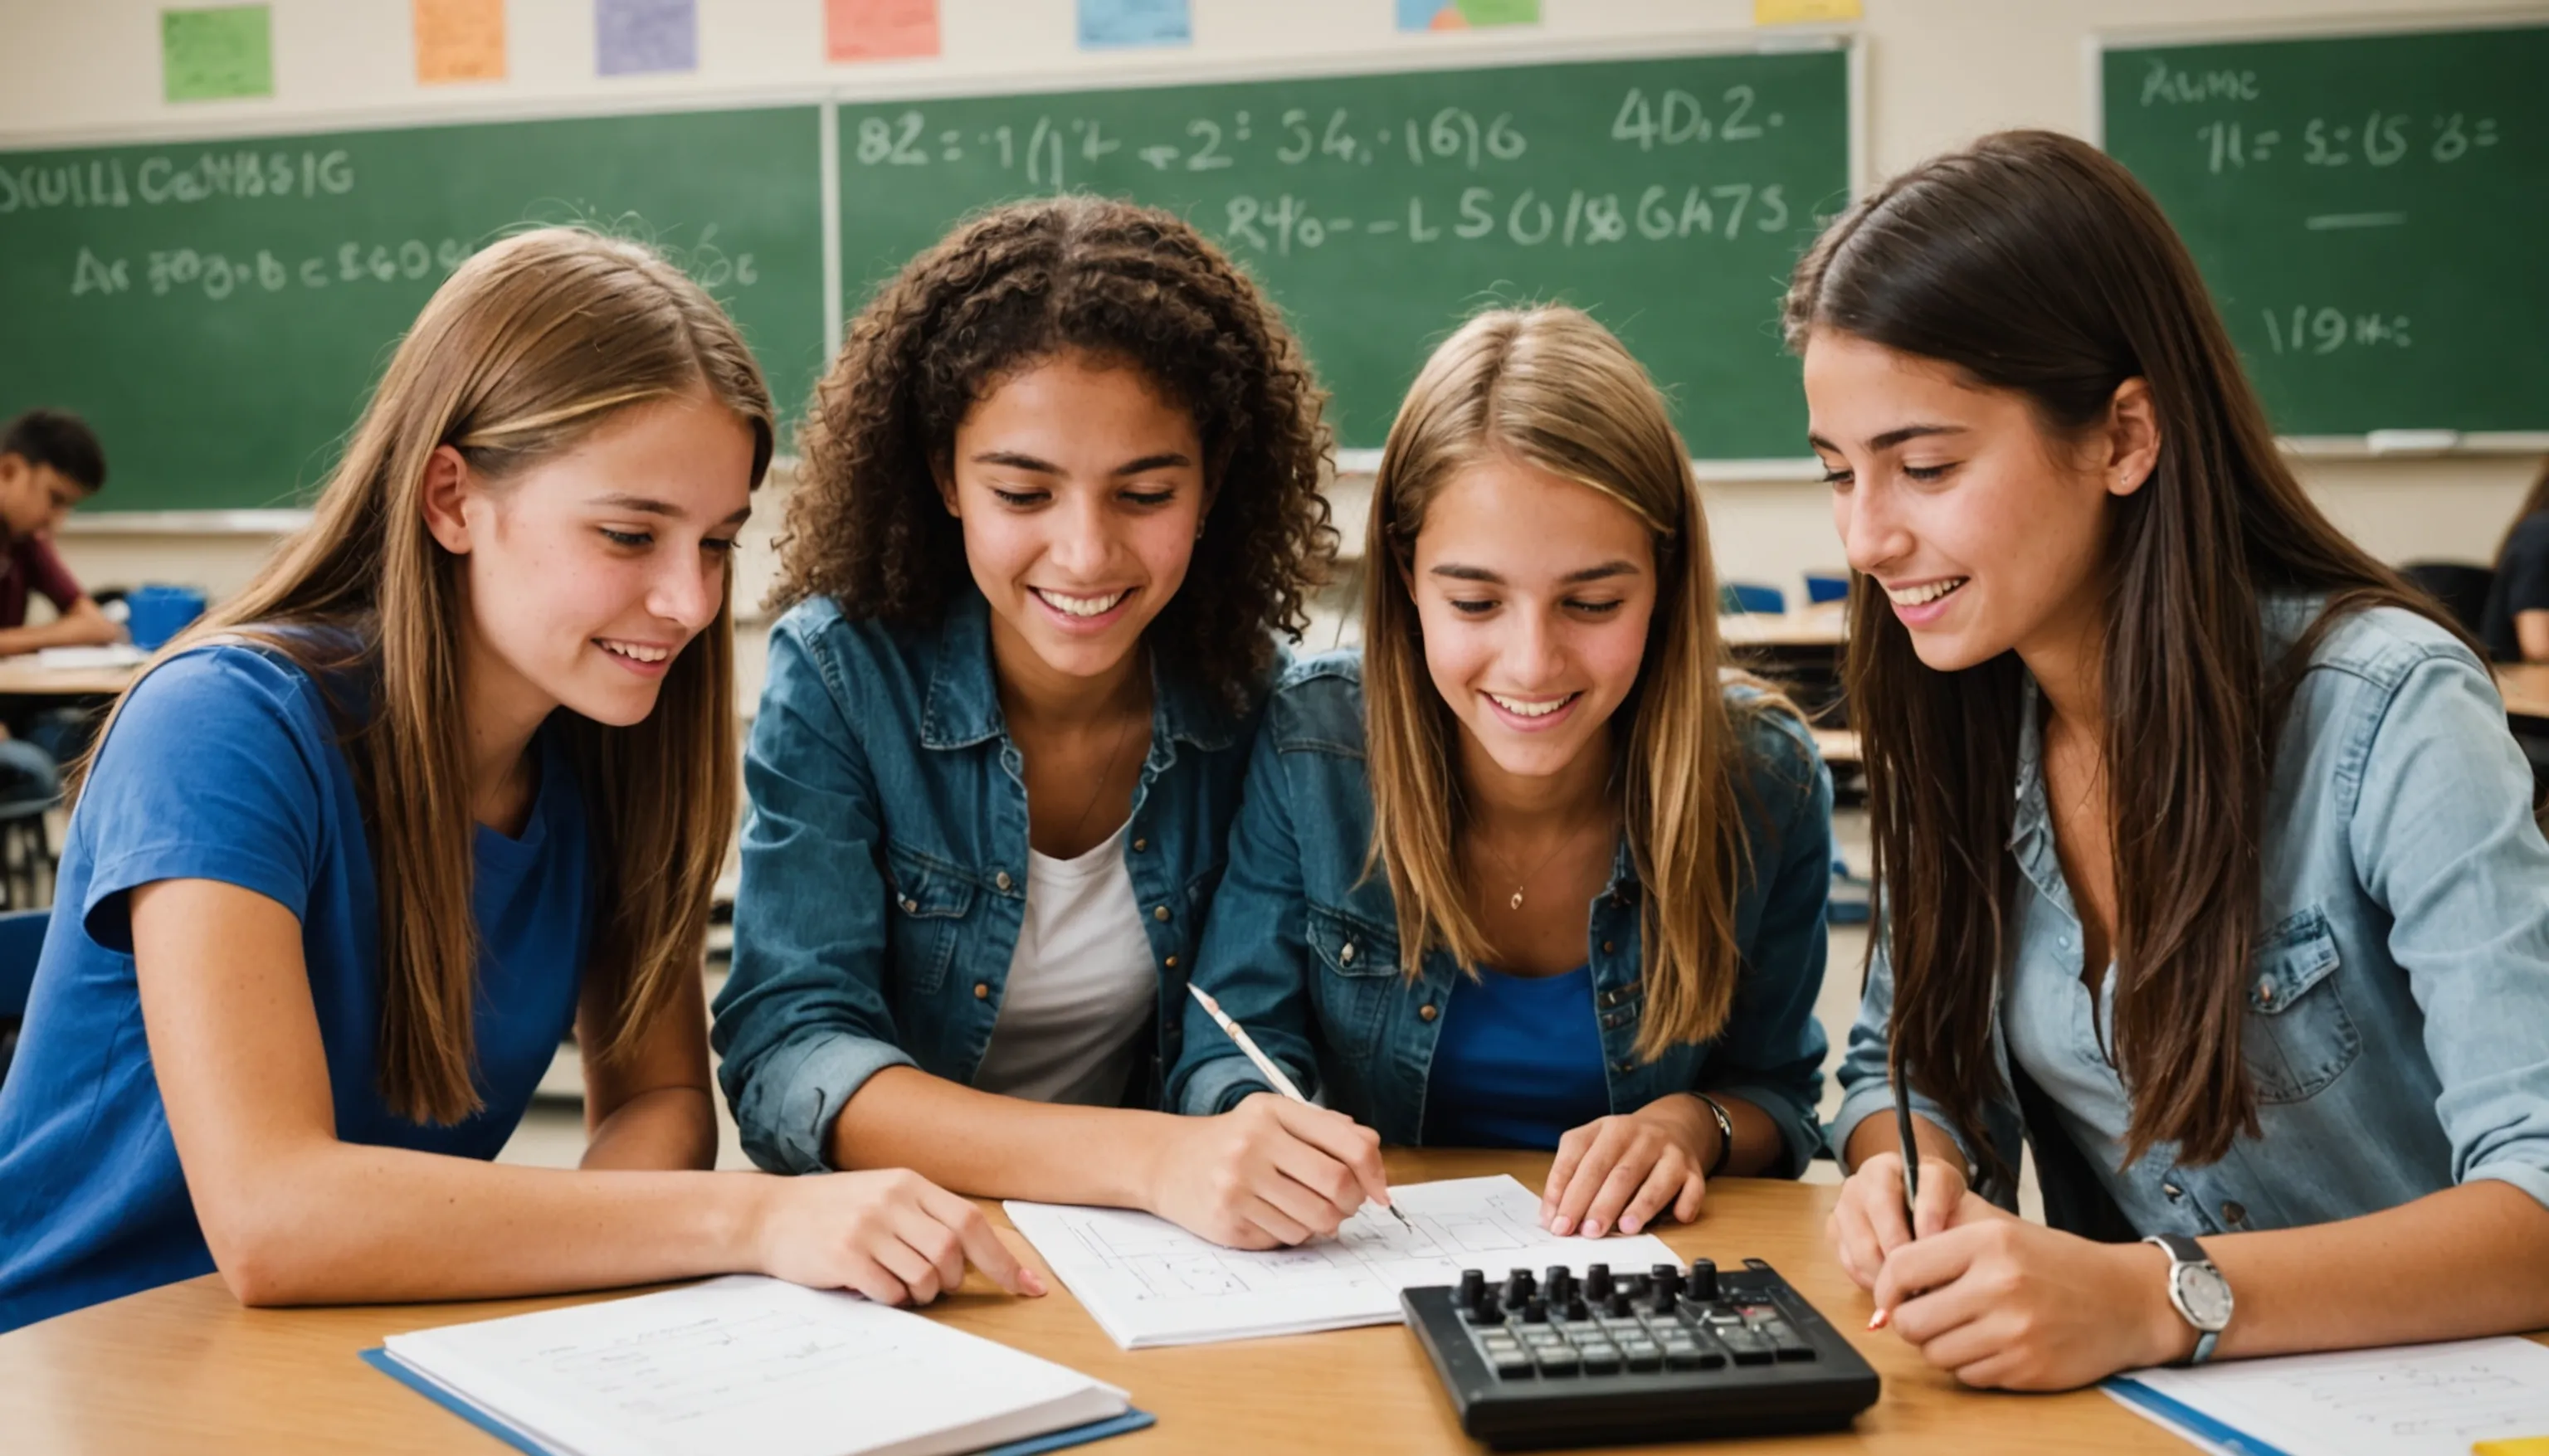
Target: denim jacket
<point>1302,948</point>
<point>884,865</point>
<point>2398,1024</point>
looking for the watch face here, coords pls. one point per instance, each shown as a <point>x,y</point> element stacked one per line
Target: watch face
<point>2206,1294</point>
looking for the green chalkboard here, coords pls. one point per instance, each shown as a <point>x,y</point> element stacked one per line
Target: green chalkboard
<point>2371,212</point>
<point>1668,196</point>
<point>220,311</point>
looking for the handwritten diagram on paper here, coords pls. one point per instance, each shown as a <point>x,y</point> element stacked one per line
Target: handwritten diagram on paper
<point>2413,1400</point>
<point>1147,1282</point>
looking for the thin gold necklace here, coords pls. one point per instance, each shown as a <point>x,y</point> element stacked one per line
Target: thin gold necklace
<point>1525,883</point>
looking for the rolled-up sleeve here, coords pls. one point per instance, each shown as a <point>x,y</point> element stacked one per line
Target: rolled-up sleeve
<point>804,1020</point>
<point>2442,835</point>
<point>1254,954</point>
<point>1771,1053</point>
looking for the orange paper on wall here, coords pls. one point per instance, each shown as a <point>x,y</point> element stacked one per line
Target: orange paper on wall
<point>459,40</point>
<point>880,29</point>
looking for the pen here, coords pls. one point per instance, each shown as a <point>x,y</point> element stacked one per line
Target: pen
<point>1273,1074</point>
<point>1911,1160</point>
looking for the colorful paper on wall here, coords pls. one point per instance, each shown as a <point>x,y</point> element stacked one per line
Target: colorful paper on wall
<point>213,54</point>
<point>1109,24</point>
<point>1802,12</point>
<point>459,40</point>
<point>1462,15</point>
<point>643,37</point>
<point>880,29</point>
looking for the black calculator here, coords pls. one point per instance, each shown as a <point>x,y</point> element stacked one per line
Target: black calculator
<point>1670,1354</point>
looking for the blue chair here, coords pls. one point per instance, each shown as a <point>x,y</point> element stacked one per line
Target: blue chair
<point>1823,587</point>
<point>22,942</point>
<point>1751,596</point>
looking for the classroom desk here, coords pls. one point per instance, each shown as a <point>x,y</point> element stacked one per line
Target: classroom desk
<point>1824,626</point>
<point>184,1367</point>
<point>2525,687</point>
<point>25,677</point>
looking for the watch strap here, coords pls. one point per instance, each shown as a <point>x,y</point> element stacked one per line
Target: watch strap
<point>2182,1252</point>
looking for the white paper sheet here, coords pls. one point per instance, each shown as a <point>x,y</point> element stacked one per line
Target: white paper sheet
<point>2409,1401</point>
<point>750,1364</point>
<point>1147,1282</point>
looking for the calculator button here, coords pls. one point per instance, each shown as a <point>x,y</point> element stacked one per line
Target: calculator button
<point>1643,1354</point>
<point>1784,1341</point>
<point>1692,1357</point>
<point>1601,1359</point>
<point>1511,1364</point>
<point>1747,1347</point>
<point>1559,1361</point>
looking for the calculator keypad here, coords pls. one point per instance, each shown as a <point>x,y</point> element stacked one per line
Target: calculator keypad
<point>1687,1335</point>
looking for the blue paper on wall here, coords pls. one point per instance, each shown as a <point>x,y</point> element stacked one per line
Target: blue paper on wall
<point>641,37</point>
<point>1106,25</point>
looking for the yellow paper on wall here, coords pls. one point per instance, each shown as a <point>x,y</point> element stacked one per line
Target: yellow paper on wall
<point>459,40</point>
<point>1802,12</point>
<point>2517,1446</point>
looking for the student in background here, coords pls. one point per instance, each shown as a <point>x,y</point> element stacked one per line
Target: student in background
<point>1528,875</point>
<point>453,774</point>
<point>1060,494</point>
<point>2208,864</point>
<point>2516,624</point>
<point>49,463</point>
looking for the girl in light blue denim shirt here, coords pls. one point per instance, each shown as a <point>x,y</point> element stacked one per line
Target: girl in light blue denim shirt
<point>2208,863</point>
<point>1059,492</point>
<point>1531,875</point>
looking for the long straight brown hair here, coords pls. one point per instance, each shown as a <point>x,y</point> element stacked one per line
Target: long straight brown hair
<point>2035,263</point>
<point>1554,389</point>
<point>2534,501</point>
<point>522,352</point>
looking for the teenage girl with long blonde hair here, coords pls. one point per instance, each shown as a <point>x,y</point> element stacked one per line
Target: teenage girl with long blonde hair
<point>1527,875</point>
<point>452,775</point>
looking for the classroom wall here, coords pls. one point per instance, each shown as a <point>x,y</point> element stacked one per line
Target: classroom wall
<point>1937,72</point>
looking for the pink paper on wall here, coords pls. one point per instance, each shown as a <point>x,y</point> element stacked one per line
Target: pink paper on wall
<point>880,29</point>
<point>458,40</point>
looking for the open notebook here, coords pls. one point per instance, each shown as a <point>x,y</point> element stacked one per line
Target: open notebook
<point>750,1364</point>
<point>1147,1282</point>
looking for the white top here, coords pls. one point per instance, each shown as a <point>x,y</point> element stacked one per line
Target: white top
<point>1082,992</point>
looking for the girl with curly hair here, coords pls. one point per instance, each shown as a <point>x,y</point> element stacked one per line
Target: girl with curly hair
<point>1060,492</point>
<point>1532,872</point>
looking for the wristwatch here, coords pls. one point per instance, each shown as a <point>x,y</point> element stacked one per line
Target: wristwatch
<point>2198,1290</point>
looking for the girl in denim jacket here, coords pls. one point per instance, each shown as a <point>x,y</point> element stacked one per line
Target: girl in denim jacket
<point>1059,492</point>
<point>2210,863</point>
<point>1528,875</point>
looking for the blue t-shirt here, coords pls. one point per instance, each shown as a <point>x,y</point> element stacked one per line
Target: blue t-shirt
<point>223,765</point>
<point>1518,1063</point>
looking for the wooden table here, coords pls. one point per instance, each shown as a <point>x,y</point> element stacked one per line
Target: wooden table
<point>2525,687</point>
<point>185,1368</point>
<point>26,677</point>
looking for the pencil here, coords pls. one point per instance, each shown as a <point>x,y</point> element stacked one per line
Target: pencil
<point>1266,1064</point>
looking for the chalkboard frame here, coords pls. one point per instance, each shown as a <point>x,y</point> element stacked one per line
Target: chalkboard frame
<point>1481,50</point>
<point>2374,443</point>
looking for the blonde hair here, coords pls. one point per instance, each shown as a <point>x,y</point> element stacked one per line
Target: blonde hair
<point>526,350</point>
<point>1551,388</point>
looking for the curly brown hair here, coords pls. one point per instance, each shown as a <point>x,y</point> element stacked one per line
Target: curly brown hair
<point>1023,283</point>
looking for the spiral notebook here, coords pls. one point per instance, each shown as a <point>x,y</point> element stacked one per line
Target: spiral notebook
<point>749,1364</point>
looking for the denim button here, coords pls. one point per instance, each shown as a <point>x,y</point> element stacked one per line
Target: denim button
<point>2234,1214</point>
<point>1140,845</point>
<point>1426,1012</point>
<point>1160,913</point>
<point>1608,947</point>
<point>910,904</point>
<point>2173,1191</point>
<point>1344,953</point>
<point>1002,879</point>
<point>1172,962</point>
<point>982,990</point>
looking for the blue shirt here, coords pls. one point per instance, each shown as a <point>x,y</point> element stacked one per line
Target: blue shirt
<point>2397,1021</point>
<point>884,865</point>
<point>223,765</point>
<point>1519,1062</point>
<point>1303,946</point>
